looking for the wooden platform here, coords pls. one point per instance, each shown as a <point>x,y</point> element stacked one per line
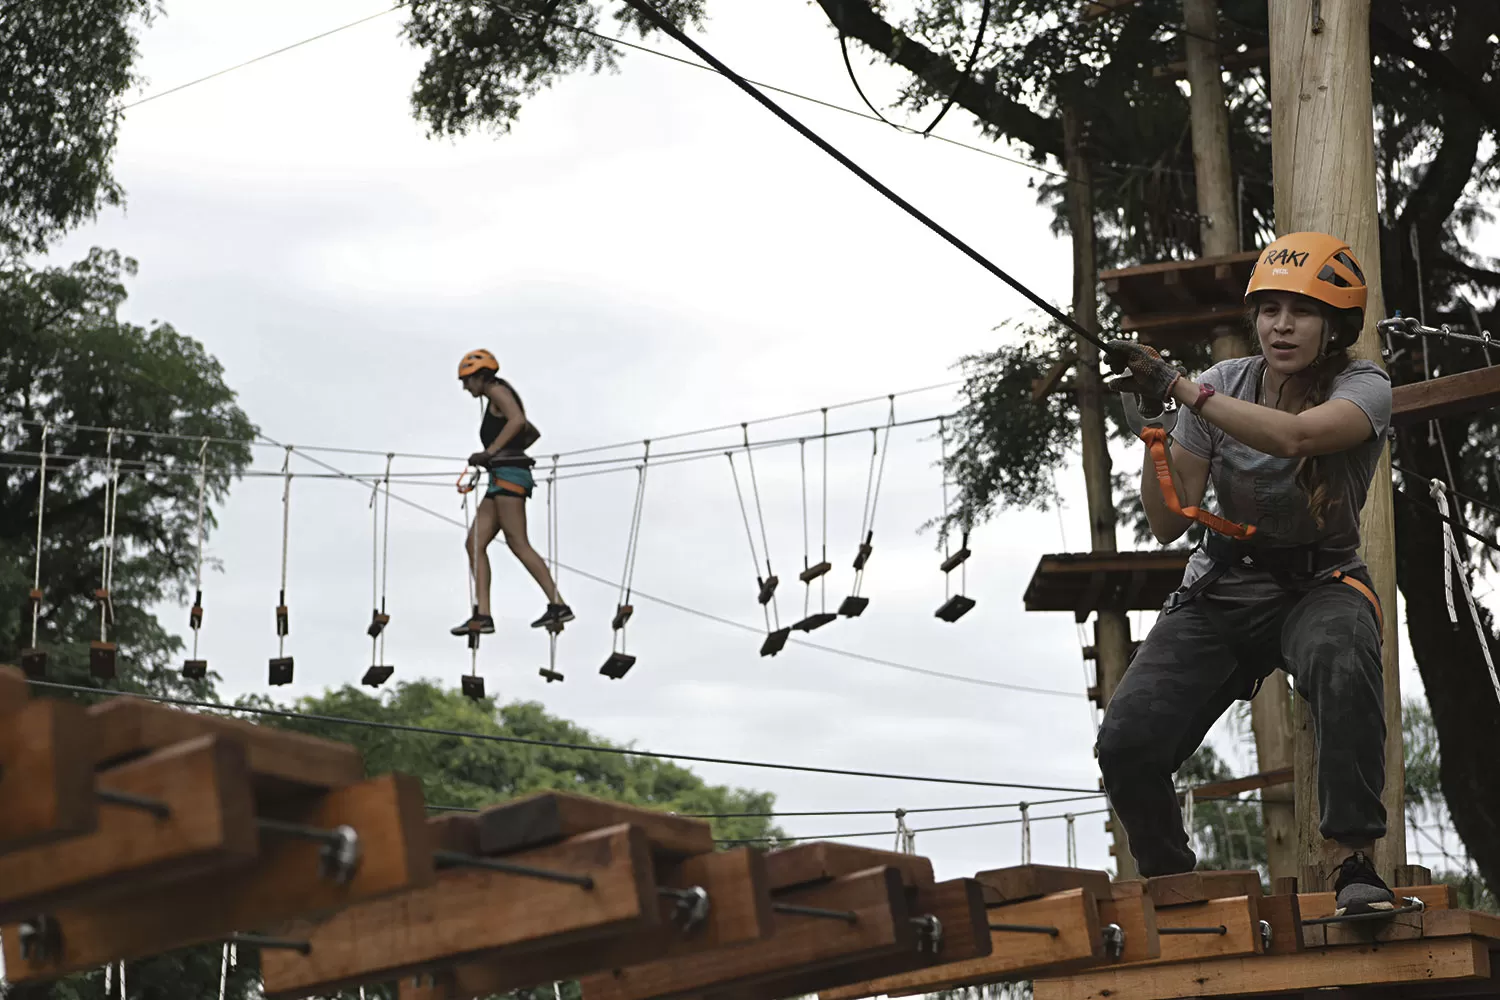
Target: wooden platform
<point>1085,582</point>
<point>1448,396</point>
<point>1173,301</point>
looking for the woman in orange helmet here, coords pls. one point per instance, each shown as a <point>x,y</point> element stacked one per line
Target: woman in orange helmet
<point>505,434</point>
<point>1291,438</point>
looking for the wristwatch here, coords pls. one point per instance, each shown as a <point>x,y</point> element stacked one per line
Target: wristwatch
<point>1204,391</point>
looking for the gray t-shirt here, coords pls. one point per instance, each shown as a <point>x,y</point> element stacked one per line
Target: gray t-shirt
<point>1255,488</point>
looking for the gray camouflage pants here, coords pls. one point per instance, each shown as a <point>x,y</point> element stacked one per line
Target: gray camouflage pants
<point>1201,657</point>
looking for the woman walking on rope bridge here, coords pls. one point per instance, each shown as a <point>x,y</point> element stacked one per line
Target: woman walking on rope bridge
<point>1291,438</point>
<point>505,434</point>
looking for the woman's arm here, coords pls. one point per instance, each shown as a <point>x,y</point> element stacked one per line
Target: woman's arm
<point>510,408</point>
<point>1330,427</point>
<point>1189,477</point>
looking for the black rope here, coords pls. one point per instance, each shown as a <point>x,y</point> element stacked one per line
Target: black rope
<point>854,79</point>
<point>667,27</point>
<point>1432,511</point>
<point>1492,508</point>
<point>281,713</point>
<point>963,78</point>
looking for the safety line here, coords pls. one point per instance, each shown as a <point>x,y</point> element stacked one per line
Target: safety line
<point>1432,511</point>
<point>920,829</point>
<point>433,807</point>
<point>668,27</point>
<point>1462,496</point>
<point>281,713</point>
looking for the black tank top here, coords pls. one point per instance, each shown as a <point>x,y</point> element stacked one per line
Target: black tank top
<point>493,423</point>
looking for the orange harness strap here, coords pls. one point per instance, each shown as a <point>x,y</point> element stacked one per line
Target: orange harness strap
<point>1156,440</point>
<point>1369,595</point>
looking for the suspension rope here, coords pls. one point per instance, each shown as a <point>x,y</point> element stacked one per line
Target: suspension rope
<point>672,30</point>
<point>41,507</point>
<point>1455,567</point>
<point>286,525</point>
<point>806,542</point>
<point>111,512</point>
<point>555,567</point>
<point>739,494</point>
<point>195,617</point>
<point>963,77</point>
<point>1025,834</point>
<point>385,550</point>
<point>854,79</point>
<point>632,546</point>
<point>884,451</point>
<point>942,525</point>
<point>760,515</point>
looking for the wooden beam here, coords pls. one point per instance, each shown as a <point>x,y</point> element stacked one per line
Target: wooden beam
<point>285,764</point>
<point>1093,9</point>
<point>1239,917</point>
<point>467,912</point>
<point>1430,961</point>
<point>1234,786</point>
<point>1074,913</point>
<point>1130,909</point>
<point>46,773</point>
<point>205,784</point>
<point>283,884</point>
<point>1043,387</point>
<point>957,905</point>
<point>1284,913</point>
<point>1448,396</point>
<point>550,817</point>
<point>881,927</point>
<point>822,861</point>
<point>1259,56</point>
<point>739,911</point>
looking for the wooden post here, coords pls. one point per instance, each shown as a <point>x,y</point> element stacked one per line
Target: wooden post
<point>1113,633</point>
<point>1275,748</point>
<point>1323,158</point>
<point>1218,211</point>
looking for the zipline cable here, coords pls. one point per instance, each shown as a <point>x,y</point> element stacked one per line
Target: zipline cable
<point>666,26</point>
<point>41,507</point>
<point>524,741</point>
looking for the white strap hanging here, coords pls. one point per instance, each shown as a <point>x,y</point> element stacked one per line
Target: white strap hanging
<point>1455,567</point>
<point>1072,841</point>
<point>1025,834</point>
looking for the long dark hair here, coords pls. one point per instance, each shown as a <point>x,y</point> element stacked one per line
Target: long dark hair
<point>1311,476</point>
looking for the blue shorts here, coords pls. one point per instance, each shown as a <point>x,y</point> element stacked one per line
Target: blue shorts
<point>510,481</point>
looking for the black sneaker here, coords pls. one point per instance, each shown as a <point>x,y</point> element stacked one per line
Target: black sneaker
<point>483,624</point>
<point>556,615</point>
<point>1359,889</point>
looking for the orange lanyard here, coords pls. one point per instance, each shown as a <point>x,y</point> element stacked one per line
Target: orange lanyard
<point>1157,435</point>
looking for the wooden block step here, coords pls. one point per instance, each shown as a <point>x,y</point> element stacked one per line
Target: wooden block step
<point>1130,909</point>
<point>882,927</point>
<point>808,864</point>
<point>1238,915</point>
<point>285,764</point>
<point>1429,962</point>
<point>1023,882</point>
<point>282,884</point>
<point>1197,887</point>
<point>468,911</point>
<point>205,783</point>
<point>549,817</point>
<point>46,774</point>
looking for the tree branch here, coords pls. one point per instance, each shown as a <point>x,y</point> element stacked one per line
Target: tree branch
<point>1440,69</point>
<point>1011,119</point>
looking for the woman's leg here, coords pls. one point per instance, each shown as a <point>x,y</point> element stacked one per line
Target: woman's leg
<point>1331,645</point>
<point>1182,679</point>
<point>483,531</point>
<point>512,513</point>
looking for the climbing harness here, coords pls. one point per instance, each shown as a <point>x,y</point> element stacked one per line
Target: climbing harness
<point>281,666</point>
<point>810,571</point>
<point>776,636</point>
<point>471,683</point>
<point>550,673</point>
<point>102,654</point>
<point>380,563</point>
<point>619,662</point>
<point>855,604</point>
<point>1156,432</point>
<point>194,668</point>
<point>1455,567</point>
<point>33,658</point>
<point>954,606</point>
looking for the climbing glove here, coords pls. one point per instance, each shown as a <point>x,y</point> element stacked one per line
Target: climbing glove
<point>1150,377</point>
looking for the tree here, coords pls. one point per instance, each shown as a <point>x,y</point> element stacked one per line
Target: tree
<point>66,63</point>
<point>69,362</point>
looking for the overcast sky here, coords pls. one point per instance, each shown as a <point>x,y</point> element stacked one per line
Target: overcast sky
<point>647,253</point>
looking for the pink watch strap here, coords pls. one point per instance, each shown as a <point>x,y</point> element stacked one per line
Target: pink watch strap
<point>1204,391</point>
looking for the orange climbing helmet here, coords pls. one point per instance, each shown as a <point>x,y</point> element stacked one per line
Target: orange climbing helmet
<point>1321,267</point>
<point>477,361</point>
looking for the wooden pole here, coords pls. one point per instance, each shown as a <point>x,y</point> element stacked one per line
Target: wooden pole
<point>1218,210</point>
<point>1323,158</point>
<point>1112,641</point>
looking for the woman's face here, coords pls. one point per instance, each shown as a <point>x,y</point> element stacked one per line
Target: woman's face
<point>1290,328</point>
<point>474,384</point>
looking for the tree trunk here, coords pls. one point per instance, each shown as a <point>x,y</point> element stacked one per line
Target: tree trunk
<point>1323,159</point>
<point>1112,638</point>
<point>1218,213</point>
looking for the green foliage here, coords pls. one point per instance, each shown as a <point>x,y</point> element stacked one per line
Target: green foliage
<point>469,773</point>
<point>1420,739</point>
<point>1227,833</point>
<point>67,360</point>
<point>66,64</point>
<point>484,59</point>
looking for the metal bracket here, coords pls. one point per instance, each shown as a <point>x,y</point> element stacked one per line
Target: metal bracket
<point>1265,934</point>
<point>929,933</point>
<point>40,938</point>
<point>692,906</point>
<point>1114,940</point>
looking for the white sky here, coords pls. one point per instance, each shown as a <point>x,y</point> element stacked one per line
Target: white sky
<point>648,252</point>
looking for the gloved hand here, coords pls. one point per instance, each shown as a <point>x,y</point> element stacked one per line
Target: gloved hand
<point>481,459</point>
<point>1150,377</point>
